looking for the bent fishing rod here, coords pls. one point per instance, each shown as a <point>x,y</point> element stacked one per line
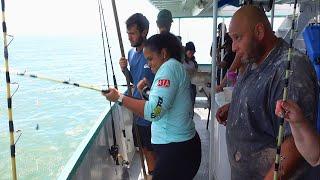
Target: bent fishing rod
<point>114,149</point>
<point>9,97</point>
<point>284,97</point>
<point>129,79</point>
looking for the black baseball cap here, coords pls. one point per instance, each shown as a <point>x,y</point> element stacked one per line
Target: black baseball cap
<point>190,46</point>
<point>164,16</point>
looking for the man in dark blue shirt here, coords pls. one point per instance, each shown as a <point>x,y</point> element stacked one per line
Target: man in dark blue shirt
<point>137,29</point>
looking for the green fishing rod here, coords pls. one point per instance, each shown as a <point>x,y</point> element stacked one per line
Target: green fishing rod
<point>129,92</point>
<point>9,97</point>
<point>285,96</point>
<point>114,149</point>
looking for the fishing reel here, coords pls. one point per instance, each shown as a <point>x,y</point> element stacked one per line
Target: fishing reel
<point>123,161</point>
<point>145,93</point>
<point>114,152</point>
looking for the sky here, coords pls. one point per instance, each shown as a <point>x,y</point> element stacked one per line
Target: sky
<point>81,18</point>
<point>68,17</point>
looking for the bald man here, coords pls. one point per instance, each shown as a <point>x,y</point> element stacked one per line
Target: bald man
<point>251,124</point>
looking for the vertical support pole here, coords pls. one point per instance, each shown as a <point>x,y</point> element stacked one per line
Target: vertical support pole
<point>213,84</point>
<point>272,14</point>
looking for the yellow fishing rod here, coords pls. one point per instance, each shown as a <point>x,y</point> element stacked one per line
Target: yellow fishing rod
<point>284,97</point>
<point>9,97</point>
<point>86,86</point>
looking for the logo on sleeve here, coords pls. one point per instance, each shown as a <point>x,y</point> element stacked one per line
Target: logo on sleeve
<point>163,83</point>
<point>157,110</point>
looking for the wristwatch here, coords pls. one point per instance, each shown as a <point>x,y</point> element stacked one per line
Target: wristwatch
<point>119,100</point>
<point>145,93</point>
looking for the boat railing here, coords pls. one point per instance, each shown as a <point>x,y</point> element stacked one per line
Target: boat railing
<point>92,159</point>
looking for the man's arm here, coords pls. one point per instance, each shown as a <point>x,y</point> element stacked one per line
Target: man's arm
<point>123,62</point>
<point>222,114</point>
<point>307,141</point>
<point>135,105</point>
<point>290,158</point>
<point>305,137</point>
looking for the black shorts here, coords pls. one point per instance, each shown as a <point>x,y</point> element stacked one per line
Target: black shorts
<point>145,136</point>
<point>179,160</point>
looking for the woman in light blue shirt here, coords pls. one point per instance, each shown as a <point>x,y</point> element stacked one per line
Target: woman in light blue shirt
<point>169,108</point>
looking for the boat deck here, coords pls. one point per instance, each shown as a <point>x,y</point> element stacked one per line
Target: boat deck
<point>93,161</point>
<point>200,119</point>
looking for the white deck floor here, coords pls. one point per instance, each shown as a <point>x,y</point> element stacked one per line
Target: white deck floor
<point>200,119</point>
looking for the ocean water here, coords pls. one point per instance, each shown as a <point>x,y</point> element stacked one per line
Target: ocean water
<point>52,118</point>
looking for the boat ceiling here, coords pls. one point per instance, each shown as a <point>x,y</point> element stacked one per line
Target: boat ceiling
<point>203,8</point>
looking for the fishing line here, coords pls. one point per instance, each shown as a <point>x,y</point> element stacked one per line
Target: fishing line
<point>108,44</point>
<point>114,149</point>
<point>20,133</point>
<point>111,62</point>
<point>15,89</point>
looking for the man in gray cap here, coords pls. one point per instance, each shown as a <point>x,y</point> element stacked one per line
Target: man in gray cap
<point>164,20</point>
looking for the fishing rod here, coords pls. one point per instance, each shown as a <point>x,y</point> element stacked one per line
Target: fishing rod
<point>129,79</point>
<point>9,97</point>
<point>108,44</point>
<point>111,61</point>
<point>285,96</point>
<point>114,149</point>
<point>125,71</point>
<point>85,86</point>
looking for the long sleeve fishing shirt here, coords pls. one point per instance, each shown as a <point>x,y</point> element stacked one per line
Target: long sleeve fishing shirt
<point>169,106</point>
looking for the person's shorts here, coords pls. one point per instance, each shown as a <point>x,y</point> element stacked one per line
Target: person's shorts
<point>145,136</point>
